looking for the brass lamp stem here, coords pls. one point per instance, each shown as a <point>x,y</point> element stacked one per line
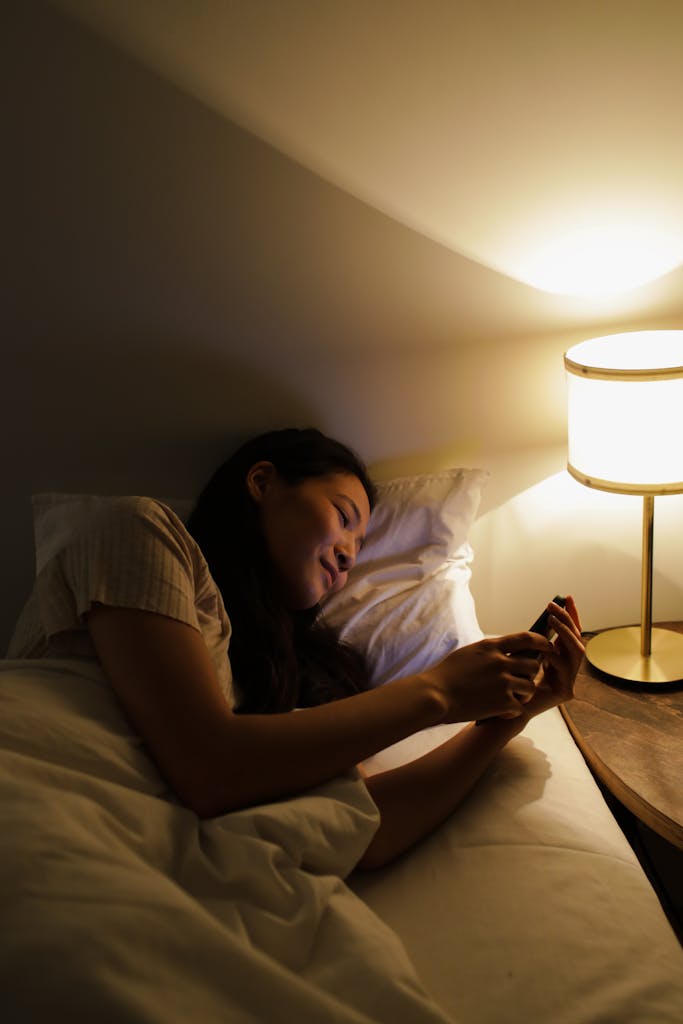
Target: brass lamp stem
<point>615,651</point>
<point>646,583</point>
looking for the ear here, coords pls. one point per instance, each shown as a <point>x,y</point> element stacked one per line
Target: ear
<point>259,479</point>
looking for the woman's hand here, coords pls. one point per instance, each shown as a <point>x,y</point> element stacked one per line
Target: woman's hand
<point>416,797</point>
<point>555,683</point>
<point>490,678</point>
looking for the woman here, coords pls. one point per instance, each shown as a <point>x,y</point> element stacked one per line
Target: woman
<point>209,638</point>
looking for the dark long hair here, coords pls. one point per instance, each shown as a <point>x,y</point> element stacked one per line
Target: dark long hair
<point>280,659</point>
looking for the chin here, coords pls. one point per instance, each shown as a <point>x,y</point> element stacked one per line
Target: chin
<point>305,602</point>
<point>305,609</point>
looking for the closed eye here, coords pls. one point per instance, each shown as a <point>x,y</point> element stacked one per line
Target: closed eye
<point>342,516</point>
<point>347,518</point>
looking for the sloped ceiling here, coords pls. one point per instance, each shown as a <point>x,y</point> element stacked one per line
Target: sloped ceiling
<point>499,129</point>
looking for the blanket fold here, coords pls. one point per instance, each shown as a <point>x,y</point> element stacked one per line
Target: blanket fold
<point>122,906</point>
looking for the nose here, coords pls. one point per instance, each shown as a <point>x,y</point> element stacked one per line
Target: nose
<point>345,558</point>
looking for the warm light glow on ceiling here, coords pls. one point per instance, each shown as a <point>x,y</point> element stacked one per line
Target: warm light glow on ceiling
<point>602,260</point>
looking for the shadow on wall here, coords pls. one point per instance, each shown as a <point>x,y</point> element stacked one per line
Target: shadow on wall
<point>122,419</point>
<point>120,414</point>
<point>160,259</point>
<point>175,284</point>
<point>129,194</point>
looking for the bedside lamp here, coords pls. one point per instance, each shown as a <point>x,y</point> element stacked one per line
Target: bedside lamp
<point>625,420</point>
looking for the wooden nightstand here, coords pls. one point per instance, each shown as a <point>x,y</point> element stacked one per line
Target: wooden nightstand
<point>632,740</point>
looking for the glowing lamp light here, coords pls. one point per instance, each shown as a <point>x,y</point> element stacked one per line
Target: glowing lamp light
<point>625,425</point>
<point>602,260</point>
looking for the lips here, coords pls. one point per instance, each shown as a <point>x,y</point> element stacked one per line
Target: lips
<point>331,572</point>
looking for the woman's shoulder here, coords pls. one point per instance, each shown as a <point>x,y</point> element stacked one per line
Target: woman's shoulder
<point>143,521</point>
<point>126,526</point>
<point>126,510</point>
<point>124,551</point>
<point>133,506</point>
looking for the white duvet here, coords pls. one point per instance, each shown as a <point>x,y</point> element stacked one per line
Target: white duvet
<point>119,906</point>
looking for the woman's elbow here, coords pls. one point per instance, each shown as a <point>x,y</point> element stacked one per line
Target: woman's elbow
<point>376,856</point>
<point>205,800</point>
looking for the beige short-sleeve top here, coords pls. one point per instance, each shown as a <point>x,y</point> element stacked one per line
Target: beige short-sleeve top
<point>128,552</point>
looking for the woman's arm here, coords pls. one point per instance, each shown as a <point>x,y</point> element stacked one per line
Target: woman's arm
<point>416,797</point>
<point>217,761</point>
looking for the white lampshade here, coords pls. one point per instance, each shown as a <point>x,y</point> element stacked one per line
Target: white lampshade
<point>625,412</point>
<point>625,418</point>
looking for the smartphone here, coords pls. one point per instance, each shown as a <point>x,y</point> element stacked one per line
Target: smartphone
<point>541,626</point>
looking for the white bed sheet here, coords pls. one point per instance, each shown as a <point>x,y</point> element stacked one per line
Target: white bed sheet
<point>529,905</point>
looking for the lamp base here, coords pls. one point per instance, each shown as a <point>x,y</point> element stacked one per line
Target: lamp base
<point>617,652</point>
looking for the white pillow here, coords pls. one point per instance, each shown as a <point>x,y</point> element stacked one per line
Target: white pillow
<point>407,602</point>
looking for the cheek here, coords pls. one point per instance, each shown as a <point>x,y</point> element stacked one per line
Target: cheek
<point>322,527</point>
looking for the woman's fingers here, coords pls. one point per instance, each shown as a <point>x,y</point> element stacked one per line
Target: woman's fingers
<point>573,612</point>
<point>567,616</point>
<point>569,640</point>
<point>500,675</point>
<point>526,644</point>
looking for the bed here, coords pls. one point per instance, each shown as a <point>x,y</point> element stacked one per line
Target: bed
<point>121,905</point>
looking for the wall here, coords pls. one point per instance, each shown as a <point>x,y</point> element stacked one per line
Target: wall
<point>175,284</point>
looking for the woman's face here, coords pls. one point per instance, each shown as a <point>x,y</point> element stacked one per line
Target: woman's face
<point>313,530</point>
